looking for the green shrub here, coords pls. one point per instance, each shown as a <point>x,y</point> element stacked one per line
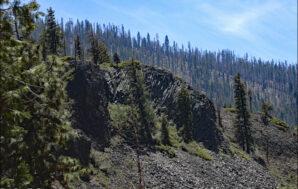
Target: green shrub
<point>115,140</point>
<point>167,150</point>
<point>195,149</point>
<point>100,166</point>
<point>233,110</point>
<point>286,186</point>
<point>173,136</point>
<point>239,153</point>
<point>273,172</point>
<point>66,58</point>
<point>119,114</point>
<point>126,62</point>
<point>221,153</point>
<point>106,64</point>
<point>281,125</point>
<point>101,160</point>
<point>203,154</point>
<point>234,144</point>
<point>178,77</point>
<point>103,179</point>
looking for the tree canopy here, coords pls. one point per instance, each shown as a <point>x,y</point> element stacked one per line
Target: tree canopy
<point>34,107</point>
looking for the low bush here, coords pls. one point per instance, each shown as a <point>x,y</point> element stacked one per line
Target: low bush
<point>281,125</point>
<point>173,136</point>
<point>223,154</point>
<point>167,150</point>
<point>239,153</point>
<point>66,58</point>
<point>233,110</point>
<point>195,149</point>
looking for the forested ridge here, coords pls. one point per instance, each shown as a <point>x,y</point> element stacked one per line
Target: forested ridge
<point>212,72</point>
<point>75,114</point>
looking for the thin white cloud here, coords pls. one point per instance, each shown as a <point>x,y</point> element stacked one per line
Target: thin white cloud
<point>238,20</point>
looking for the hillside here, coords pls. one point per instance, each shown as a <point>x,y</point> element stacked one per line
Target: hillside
<point>113,160</point>
<point>92,121</point>
<point>210,72</point>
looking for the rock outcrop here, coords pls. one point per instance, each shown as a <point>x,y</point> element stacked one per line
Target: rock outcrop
<point>163,88</point>
<point>88,91</point>
<point>94,87</point>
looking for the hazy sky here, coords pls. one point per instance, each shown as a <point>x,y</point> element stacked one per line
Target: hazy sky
<point>262,28</point>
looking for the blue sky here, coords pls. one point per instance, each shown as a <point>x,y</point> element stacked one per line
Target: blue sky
<point>262,28</point>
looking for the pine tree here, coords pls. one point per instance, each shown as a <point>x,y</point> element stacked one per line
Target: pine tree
<point>98,50</point>
<point>51,36</point>
<point>167,45</point>
<point>249,94</point>
<point>94,47</point>
<point>78,48</point>
<point>103,56</point>
<point>218,110</point>
<point>116,58</point>
<point>242,122</point>
<point>139,98</point>
<point>34,108</point>
<point>141,116</point>
<point>53,32</point>
<point>266,108</point>
<point>164,131</point>
<point>184,114</point>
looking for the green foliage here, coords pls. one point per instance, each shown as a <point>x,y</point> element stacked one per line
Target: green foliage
<point>116,58</point>
<point>97,50</point>
<point>184,114</point>
<point>195,149</point>
<point>273,172</point>
<point>78,48</point>
<point>233,110</point>
<point>266,108</point>
<point>174,137</point>
<point>34,111</point>
<point>164,131</point>
<point>178,77</point>
<point>224,154</point>
<point>281,125</point>
<point>119,115</point>
<point>51,36</point>
<point>167,150</point>
<point>103,179</point>
<point>239,153</point>
<point>142,114</point>
<point>67,58</point>
<point>115,140</point>
<point>101,166</point>
<point>249,94</point>
<point>286,186</point>
<point>103,53</point>
<point>100,160</point>
<point>242,123</point>
<point>234,145</point>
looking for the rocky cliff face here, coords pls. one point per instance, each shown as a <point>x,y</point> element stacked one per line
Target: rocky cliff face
<point>163,88</point>
<point>90,113</point>
<point>94,87</point>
